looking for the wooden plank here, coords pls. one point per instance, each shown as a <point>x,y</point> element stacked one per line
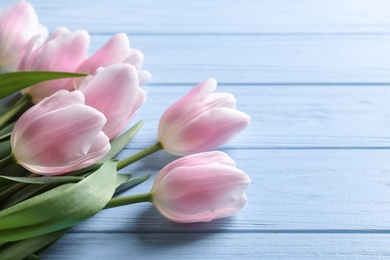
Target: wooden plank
<point>286,59</point>
<point>291,191</point>
<point>290,117</point>
<point>220,16</point>
<point>221,246</point>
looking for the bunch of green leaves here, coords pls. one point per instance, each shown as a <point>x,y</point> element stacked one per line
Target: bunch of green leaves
<point>35,211</point>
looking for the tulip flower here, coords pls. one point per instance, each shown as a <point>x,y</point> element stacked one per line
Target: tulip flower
<point>199,188</point>
<point>116,50</point>
<point>62,51</point>
<point>58,135</point>
<point>200,121</point>
<point>115,92</point>
<point>18,25</point>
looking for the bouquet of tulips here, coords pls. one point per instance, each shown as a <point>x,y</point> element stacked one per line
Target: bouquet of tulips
<point>64,118</point>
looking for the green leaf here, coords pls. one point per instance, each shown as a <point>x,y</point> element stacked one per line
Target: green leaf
<point>44,180</point>
<point>5,149</point>
<point>24,248</point>
<point>30,190</point>
<point>122,178</point>
<point>14,170</point>
<point>15,81</point>
<point>121,141</point>
<point>23,193</point>
<point>60,207</point>
<point>132,182</point>
<point>6,131</point>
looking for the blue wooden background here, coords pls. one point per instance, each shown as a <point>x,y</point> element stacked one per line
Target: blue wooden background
<point>314,76</point>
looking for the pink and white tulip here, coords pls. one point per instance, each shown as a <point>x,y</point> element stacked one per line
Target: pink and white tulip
<point>115,92</point>
<point>200,121</point>
<point>18,25</point>
<point>63,51</point>
<point>60,134</point>
<point>199,188</point>
<point>116,50</point>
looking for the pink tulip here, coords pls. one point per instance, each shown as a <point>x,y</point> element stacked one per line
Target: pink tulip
<point>199,188</point>
<point>18,25</point>
<point>200,121</point>
<point>60,134</point>
<point>63,51</point>
<point>116,50</point>
<point>115,92</point>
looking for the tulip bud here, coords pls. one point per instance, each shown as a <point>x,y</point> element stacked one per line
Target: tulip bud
<point>199,188</point>
<point>115,92</point>
<point>58,135</point>
<point>63,51</point>
<point>200,121</point>
<point>18,25</point>
<point>116,50</point>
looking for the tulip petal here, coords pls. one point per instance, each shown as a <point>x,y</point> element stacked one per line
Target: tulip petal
<point>70,48</point>
<point>99,148</point>
<point>119,85</point>
<point>201,193</point>
<point>175,116</point>
<point>60,99</point>
<point>110,53</point>
<point>196,159</point>
<point>144,76</point>
<point>69,138</point>
<point>64,51</point>
<point>207,131</point>
<point>135,58</point>
<point>18,24</point>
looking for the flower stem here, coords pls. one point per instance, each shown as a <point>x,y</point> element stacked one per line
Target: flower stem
<point>14,109</point>
<point>138,156</point>
<point>117,202</point>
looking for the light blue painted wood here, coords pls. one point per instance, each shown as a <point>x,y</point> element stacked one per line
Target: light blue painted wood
<point>218,16</point>
<point>224,246</point>
<point>288,59</point>
<point>317,151</point>
<point>291,189</point>
<point>290,116</point>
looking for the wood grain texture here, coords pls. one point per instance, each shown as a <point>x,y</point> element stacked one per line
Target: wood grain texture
<point>224,246</point>
<point>323,190</point>
<point>286,59</point>
<point>216,17</point>
<point>290,116</point>
<point>313,75</point>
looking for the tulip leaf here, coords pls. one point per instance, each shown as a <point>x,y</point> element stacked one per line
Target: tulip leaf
<point>122,178</point>
<point>43,180</point>
<point>5,149</point>
<point>132,182</point>
<point>121,141</point>
<point>60,207</point>
<point>23,193</point>
<point>14,170</point>
<point>24,248</point>
<point>6,131</point>
<point>15,81</point>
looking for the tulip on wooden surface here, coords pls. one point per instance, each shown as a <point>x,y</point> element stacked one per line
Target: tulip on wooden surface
<point>18,25</point>
<point>115,92</point>
<point>63,51</point>
<point>199,188</point>
<point>200,121</point>
<point>60,134</point>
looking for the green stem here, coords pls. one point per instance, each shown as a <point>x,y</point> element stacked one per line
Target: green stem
<point>138,156</point>
<point>14,109</point>
<point>117,202</point>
